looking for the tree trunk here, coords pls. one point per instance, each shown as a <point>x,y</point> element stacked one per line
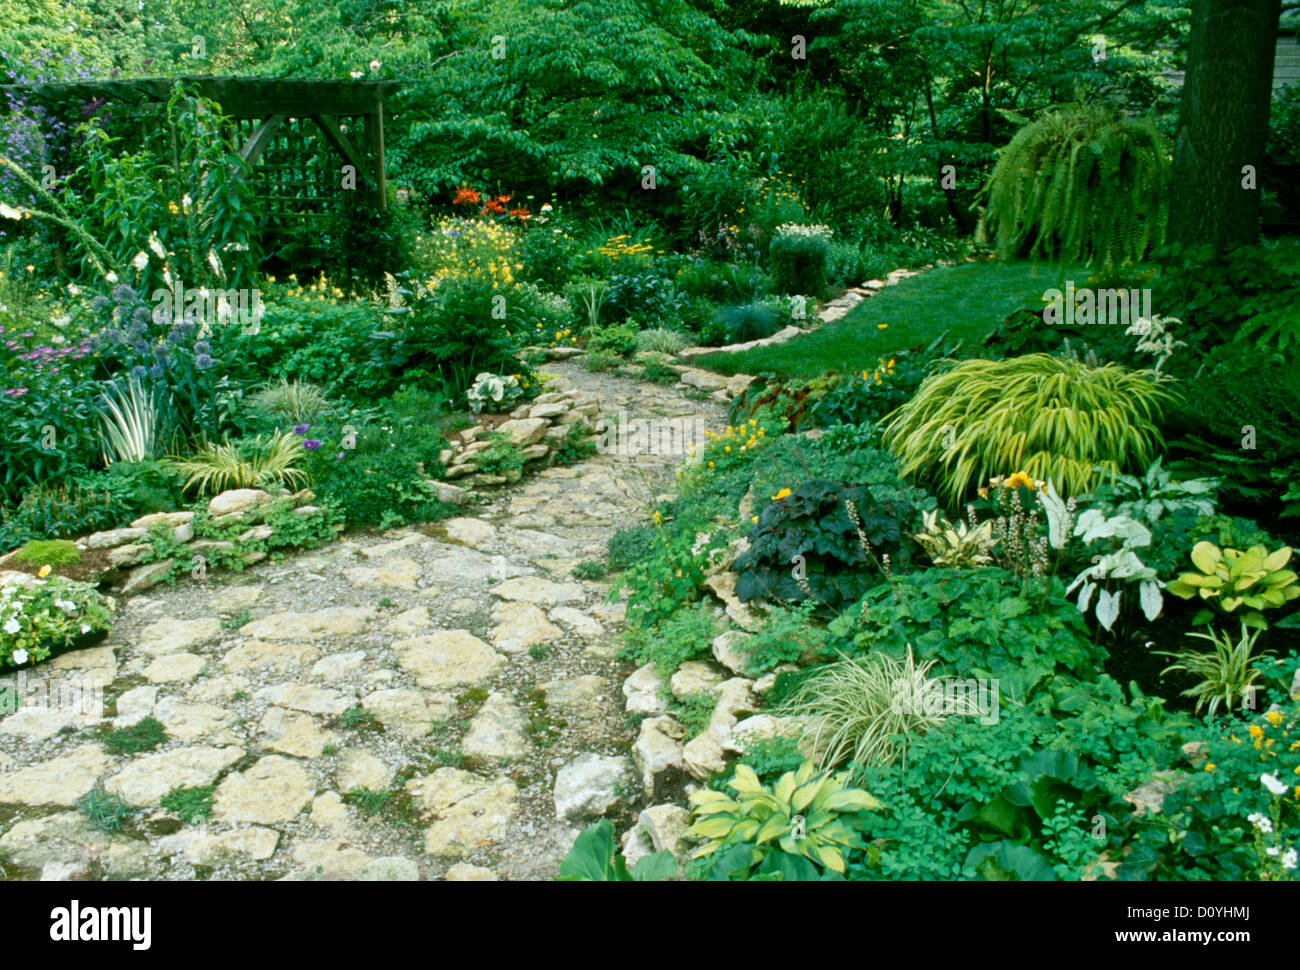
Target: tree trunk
<point>1223,122</point>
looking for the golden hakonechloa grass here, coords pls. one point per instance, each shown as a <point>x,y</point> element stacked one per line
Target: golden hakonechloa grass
<point>1053,418</point>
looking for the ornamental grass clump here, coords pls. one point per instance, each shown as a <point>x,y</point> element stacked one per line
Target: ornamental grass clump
<point>1057,420</point>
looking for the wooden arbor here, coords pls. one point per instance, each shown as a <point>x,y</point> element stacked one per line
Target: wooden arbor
<point>269,114</point>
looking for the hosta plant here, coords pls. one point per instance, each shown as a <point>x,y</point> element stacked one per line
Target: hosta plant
<point>807,817</point>
<point>37,615</point>
<point>1055,419</point>
<point>1225,673</point>
<point>496,391</point>
<point>1228,578</point>
<point>963,545</point>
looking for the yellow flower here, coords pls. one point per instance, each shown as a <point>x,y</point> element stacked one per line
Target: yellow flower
<point>1256,731</point>
<point>780,495</point>
<point>1274,718</point>
<point>1018,479</point>
<point>1210,766</point>
<point>710,464</point>
<point>881,326</point>
<point>727,449</point>
<point>754,519</point>
<point>45,571</point>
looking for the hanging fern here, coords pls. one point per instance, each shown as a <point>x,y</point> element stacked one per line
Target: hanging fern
<point>1080,184</point>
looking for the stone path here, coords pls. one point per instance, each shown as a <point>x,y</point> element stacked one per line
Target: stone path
<point>456,672</point>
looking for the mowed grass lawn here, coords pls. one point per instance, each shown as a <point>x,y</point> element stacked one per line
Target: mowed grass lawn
<point>967,301</point>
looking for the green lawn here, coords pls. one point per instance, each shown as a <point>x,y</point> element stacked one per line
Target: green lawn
<point>967,300</point>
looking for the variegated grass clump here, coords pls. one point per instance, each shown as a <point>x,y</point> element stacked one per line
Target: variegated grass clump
<point>130,422</point>
<point>216,468</point>
<point>295,402</point>
<point>865,710</point>
<point>1225,673</point>
<point>1057,420</point>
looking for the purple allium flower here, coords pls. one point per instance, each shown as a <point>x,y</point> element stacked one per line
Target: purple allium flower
<point>202,347</point>
<point>156,371</point>
<point>139,371</point>
<point>99,303</point>
<point>311,444</point>
<point>202,361</point>
<point>142,316</point>
<point>123,295</point>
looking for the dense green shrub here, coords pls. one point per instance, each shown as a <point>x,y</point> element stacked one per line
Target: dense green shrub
<point>977,623</point>
<point>362,242</point>
<point>750,321</point>
<point>799,259</point>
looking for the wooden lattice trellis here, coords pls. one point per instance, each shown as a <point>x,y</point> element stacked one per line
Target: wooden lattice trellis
<point>295,133</point>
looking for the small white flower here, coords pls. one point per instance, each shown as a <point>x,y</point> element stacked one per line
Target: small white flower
<point>12,625</point>
<point>85,628</point>
<point>1289,859</point>
<point>111,276</point>
<point>356,74</point>
<point>20,657</point>
<point>1273,850</point>
<point>156,245</point>
<point>374,65</point>
<point>1273,785</point>
<point>140,261</point>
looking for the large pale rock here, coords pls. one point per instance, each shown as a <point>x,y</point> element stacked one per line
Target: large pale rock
<point>659,828</point>
<point>579,698</point>
<point>525,431</point>
<point>724,587</point>
<point>170,635</point>
<point>333,858</point>
<point>294,733</point>
<point>63,837</point>
<point>172,519</point>
<point>147,779</point>
<point>173,668</point>
<point>410,621</point>
<point>237,501</point>
<point>498,730</point>
<point>588,786</point>
<point>549,410</point>
<point>472,532</point>
<point>205,848</point>
<point>269,656</point>
<point>337,666</point>
<point>408,712</point>
<point>134,706</point>
<point>94,664</point>
<point>337,621</point>
<point>115,537</point>
<point>694,677</point>
<point>391,574</point>
<point>468,811</point>
<point>727,652</point>
<point>306,698</point>
<point>464,872</point>
<point>447,658</point>
<point>190,722</point>
<point>577,621</point>
<point>538,591</point>
<point>390,868</point>
<point>644,691</point>
<point>359,768</point>
<point>704,754</point>
<point>657,753</point>
<point>520,625</point>
<point>768,727</point>
<point>59,781</point>
<point>274,789</point>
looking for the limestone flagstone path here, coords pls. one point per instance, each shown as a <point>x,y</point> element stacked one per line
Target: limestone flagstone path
<point>368,710</point>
